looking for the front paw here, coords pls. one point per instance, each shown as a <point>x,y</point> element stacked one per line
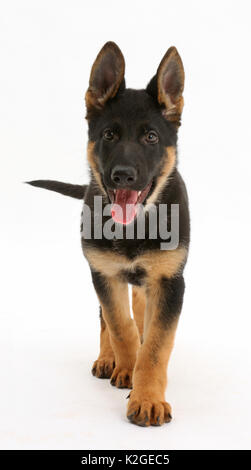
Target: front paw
<point>145,412</point>
<point>121,377</point>
<point>103,367</point>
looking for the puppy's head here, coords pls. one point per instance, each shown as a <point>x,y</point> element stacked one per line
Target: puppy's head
<point>133,133</point>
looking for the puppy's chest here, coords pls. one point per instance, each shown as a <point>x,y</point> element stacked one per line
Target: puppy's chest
<point>150,265</point>
<point>114,265</point>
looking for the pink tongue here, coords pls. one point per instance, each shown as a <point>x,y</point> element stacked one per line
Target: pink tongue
<point>124,207</point>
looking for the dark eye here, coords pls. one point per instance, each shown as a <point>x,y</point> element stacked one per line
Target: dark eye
<point>151,137</point>
<point>108,134</point>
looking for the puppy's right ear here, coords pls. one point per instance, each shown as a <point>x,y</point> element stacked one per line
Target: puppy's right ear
<point>107,77</point>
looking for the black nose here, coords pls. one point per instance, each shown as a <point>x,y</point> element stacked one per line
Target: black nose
<point>123,175</point>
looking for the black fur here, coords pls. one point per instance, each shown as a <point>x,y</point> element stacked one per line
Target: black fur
<point>136,277</point>
<point>73,190</point>
<point>102,287</point>
<point>171,299</point>
<point>129,116</point>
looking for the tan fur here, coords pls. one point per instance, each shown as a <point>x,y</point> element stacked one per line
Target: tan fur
<point>138,307</point>
<point>147,403</point>
<point>168,167</point>
<point>124,335</point>
<point>156,263</point>
<point>104,365</point>
<point>92,159</point>
<point>173,104</point>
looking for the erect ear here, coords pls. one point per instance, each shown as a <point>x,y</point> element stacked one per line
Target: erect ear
<point>107,76</point>
<point>168,84</point>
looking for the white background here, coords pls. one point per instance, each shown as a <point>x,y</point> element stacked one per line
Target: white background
<point>49,312</point>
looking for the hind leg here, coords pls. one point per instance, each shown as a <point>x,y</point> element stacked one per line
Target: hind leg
<point>104,365</point>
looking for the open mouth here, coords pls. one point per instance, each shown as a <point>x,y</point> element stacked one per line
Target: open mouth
<point>125,203</point>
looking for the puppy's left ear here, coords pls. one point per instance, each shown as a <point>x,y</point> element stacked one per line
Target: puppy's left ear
<point>106,79</point>
<point>168,84</point>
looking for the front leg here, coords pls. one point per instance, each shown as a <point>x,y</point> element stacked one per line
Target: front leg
<point>104,365</point>
<point>147,403</point>
<point>123,332</point>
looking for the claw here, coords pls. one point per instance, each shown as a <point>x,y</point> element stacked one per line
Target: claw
<point>131,416</point>
<point>145,422</point>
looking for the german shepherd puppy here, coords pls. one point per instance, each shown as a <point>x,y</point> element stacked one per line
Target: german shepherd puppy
<point>132,154</point>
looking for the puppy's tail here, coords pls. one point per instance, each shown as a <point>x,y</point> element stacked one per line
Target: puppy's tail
<point>72,190</point>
